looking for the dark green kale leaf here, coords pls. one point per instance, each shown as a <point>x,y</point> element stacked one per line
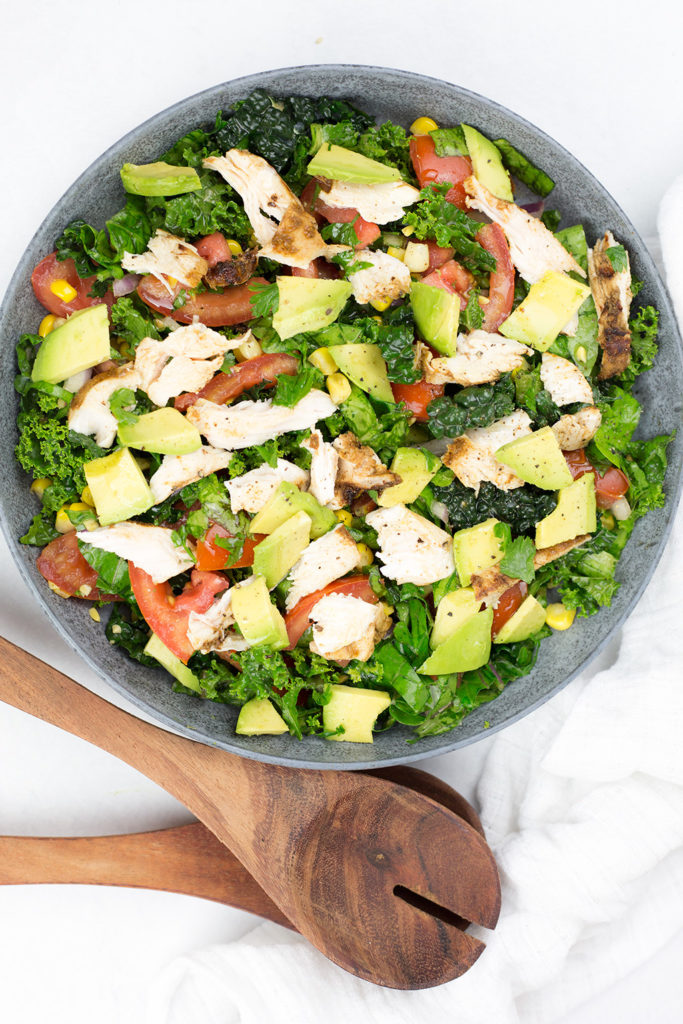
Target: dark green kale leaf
<point>472,316</point>
<point>381,425</point>
<point>476,406</point>
<point>394,336</point>
<point>194,147</point>
<point>211,208</point>
<point>533,397</point>
<point>126,628</point>
<point>112,571</point>
<point>523,169</point>
<point>552,219</point>
<point>521,508</point>
<point>434,217</point>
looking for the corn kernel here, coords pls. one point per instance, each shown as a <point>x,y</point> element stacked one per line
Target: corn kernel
<point>63,523</point>
<point>581,354</point>
<point>57,590</point>
<point>345,517</point>
<point>323,360</point>
<point>234,247</point>
<point>381,304</point>
<point>84,590</point>
<point>608,521</point>
<point>408,230</point>
<point>249,349</point>
<point>63,290</point>
<point>40,485</point>
<point>366,555</point>
<point>423,126</point>
<point>397,253</point>
<point>416,257</point>
<point>172,281</point>
<point>338,387</point>
<point>558,617</point>
<point>94,614</point>
<point>47,324</point>
<point>86,497</point>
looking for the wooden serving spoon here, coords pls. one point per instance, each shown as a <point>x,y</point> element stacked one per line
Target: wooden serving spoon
<point>333,850</point>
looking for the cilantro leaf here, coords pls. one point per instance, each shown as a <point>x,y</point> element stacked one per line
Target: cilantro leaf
<point>618,258</point>
<point>518,560</point>
<point>265,298</point>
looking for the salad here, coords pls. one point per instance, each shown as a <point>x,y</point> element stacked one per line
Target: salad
<point>333,420</point>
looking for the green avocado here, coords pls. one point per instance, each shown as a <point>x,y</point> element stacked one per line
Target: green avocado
<point>275,556</point>
<point>537,459</point>
<point>467,648</point>
<point>549,306</point>
<point>527,620</point>
<point>82,342</point>
<point>288,500</point>
<point>453,610</point>
<point>258,717</point>
<point>165,431</point>
<point>341,164</point>
<point>118,487</point>
<point>476,549</point>
<point>257,617</point>
<point>488,164</point>
<point>155,648</point>
<point>159,179</point>
<point>356,710</point>
<point>308,304</point>
<point>574,515</point>
<point>437,315</point>
<point>365,366</point>
<point>415,468</point>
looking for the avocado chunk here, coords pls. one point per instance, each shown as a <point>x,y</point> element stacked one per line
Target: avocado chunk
<point>165,431</point>
<point>257,617</point>
<point>467,648</point>
<point>82,342</point>
<point>437,315</point>
<point>118,487</point>
<point>527,620</point>
<point>453,610</point>
<point>365,366</point>
<point>287,501</point>
<point>159,179</point>
<point>258,717</point>
<point>155,648</point>
<point>537,459</point>
<point>549,306</point>
<point>341,164</point>
<point>574,515</point>
<point>475,549</point>
<point>488,164</point>
<point>308,304</point>
<point>356,710</point>
<point>415,468</point>
<point>275,556</point>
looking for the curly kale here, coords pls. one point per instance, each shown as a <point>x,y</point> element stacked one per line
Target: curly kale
<point>435,217</point>
<point>521,508</point>
<point>471,407</point>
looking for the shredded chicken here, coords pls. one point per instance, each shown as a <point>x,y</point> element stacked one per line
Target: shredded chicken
<point>211,630</point>
<point>254,489</point>
<point>385,280</point>
<point>324,464</point>
<point>575,431</point>
<point>381,203</point>
<point>324,560</point>
<point>359,470</point>
<point>612,295</point>
<point>472,459</point>
<point>250,423</point>
<point>347,628</point>
<point>480,359</point>
<point>168,256</point>
<point>564,380</point>
<point>186,360</point>
<point>490,585</point>
<point>150,548</point>
<point>177,471</point>
<point>412,548</point>
<point>89,412</point>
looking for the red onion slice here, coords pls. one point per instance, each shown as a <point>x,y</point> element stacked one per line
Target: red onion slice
<point>535,208</point>
<point>125,285</point>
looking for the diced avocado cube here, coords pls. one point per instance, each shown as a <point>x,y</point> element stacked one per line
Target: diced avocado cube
<point>159,179</point>
<point>341,164</point>
<point>467,648</point>
<point>257,617</point>
<point>549,306</point>
<point>82,342</point>
<point>118,487</point>
<point>488,164</point>
<point>356,710</point>
<point>165,431</point>
<point>287,501</point>
<point>365,366</point>
<point>453,609</point>
<point>574,515</point>
<point>308,304</point>
<point>275,556</point>
<point>475,549</point>
<point>258,717</point>
<point>415,470</point>
<point>537,459</point>
<point>155,648</point>
<point>527,620</point>
<point>437,315</point>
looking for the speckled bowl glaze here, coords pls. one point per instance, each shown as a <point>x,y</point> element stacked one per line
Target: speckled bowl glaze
<point>400,96</point>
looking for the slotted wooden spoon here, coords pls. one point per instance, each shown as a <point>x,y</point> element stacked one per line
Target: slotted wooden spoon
<point>379,878</point>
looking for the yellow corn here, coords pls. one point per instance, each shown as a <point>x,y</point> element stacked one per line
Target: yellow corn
<point>87,498</point>
<point>64,525</point>
<point>40,485</point>
<point>47,324</point>
<point>323,360</point>
<point>558,617</point>
<point>56,590</point>
<point>423,126</point>
<point>234,247</point>
<point>416,257</point>
<point>84,590</point>
<point>381,305</point>
<point>608,520</point>
<point>345,517</point>
<point>63,290</point>
<point>94,614</point>
<point>581,353</point>
<point>408,230</point>
<point>397,253</point>
<point>338,387</point>
<point>249,349</point>
<point>172,281</point>
<point>366,555</point>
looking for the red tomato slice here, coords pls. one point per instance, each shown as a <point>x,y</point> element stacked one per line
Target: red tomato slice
<point>431,169</point>
<point>508,603</point>
<point>578,463</point>
<point>212,556</point>
<point>318,268</point>
<point>501,280</point>
<point>168,616</point>
<point>297,620</point>
<point>417,397</point>
<point>363,504</point>
<point>62,563</point>
<point>451,277</point>
<point>215,309</point>
<point>609,486</point>
<point>214,248</point>
<point>51,269</point>
<point>225,386</point>
<point>437,256</point>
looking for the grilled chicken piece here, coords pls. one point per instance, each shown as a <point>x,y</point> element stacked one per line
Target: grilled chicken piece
<point>385,280</point>
<point>177,471</point>
<point>89,412</point>
<point>168,256</point>
<point>346,628</point>
<point>490,585</point>
<point>184,361</point>
<point>575,431</point>
<point>237,270</point>
<point>480,359</point>
<point>254,489</point>
<point>533,248</point>
<point>324,464</point>
<point>564,380</point>
<point>379,203</point>
<point>150,548</point>
<point>612,295</point>
<point>359,470</point>
<point>412,548</point>
<point>211,631</point>
<point>324,560</point>
<point>249,423</point>
<point>472,455</point>
<point>297,241</point>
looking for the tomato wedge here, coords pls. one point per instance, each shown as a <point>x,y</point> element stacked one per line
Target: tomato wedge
<point>438,255</point>
<point>417,397</point>
<point>214,248</point>
<point>226,386</point>
<point>501,280</point>
<point>609,486</point>
<point>51,269</point>
<point>297,620</point>
<point>215,309</point>
<point>431,169</point>
<point>508,603</point>
<point>318,268</point>
<point>211,555</point>
<point>453,278</point>
<point>62,564</point>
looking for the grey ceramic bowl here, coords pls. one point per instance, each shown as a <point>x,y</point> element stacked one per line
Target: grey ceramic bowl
<point>401,97</point>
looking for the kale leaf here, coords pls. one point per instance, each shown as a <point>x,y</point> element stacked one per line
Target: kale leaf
<point>435,217</point>
<point>476,406</point>
<point>381,425</point>
<point>644,326</point>
<point>532,396</point>
<point>521,508</point>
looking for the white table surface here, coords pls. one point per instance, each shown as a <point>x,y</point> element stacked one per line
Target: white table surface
<point>76,76</point>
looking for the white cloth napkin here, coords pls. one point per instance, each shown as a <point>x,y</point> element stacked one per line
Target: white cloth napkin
<point>582,802</point>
